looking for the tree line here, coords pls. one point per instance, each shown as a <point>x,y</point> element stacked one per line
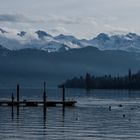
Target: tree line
<point>129,81</point>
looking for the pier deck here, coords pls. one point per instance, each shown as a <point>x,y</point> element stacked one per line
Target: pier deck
<point>35,103</point>
<point>38,103</point>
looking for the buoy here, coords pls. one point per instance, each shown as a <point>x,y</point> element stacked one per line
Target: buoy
<point>120,105</point>
<point>77,118</point>
<point>123,115</point>
<point>109,108</point>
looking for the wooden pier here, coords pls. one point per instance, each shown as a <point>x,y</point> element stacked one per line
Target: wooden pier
<point>38,103</point>
<point>45,103</point>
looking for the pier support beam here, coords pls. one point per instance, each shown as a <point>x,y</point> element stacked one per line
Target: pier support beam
<point>44,94</point>
<point>12,97</point>
<point>63,96</point>
<point>18,95</point>
<point>18,102</point>
<point>44,101</point>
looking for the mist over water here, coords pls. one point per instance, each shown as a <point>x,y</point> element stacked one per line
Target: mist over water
<point>91,118</point>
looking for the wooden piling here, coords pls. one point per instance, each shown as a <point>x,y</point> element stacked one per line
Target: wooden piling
<point>44,100</point>
<point>63,96</point>
<point>18,94</point>
<point>18,102</point>
<point>12,97</point>
<point>44,94</point>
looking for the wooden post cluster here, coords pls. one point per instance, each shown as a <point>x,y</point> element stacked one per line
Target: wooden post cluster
<point>17,103</point>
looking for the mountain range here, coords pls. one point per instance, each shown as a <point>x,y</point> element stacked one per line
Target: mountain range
<point>32,66</point>
<point>42,40</point>
<point>30,59</point>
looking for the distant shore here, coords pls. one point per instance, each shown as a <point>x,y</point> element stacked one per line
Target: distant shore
<point>131,81</point>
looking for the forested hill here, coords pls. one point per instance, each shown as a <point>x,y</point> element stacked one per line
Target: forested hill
<point>130,81</point>
<point>35,66</point>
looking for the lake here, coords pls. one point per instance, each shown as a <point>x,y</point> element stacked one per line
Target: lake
<point>90,119</point>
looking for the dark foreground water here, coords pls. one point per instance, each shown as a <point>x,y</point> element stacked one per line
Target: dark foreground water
<point>91,119</point>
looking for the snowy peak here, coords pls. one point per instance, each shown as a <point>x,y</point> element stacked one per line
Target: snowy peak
<point>103,37</point>
<point>22,33</point>
<point>3,31</point>
<point>129,42</point>
<point>132,35</point>
<point>65,37</point>
<point>42,40</point>
<point>42,34</point>
<point>69,40</point>
<point>54,46</point>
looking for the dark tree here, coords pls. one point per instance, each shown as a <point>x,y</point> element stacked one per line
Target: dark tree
<point>88,81</point>
<point>129,78</point>
<point>130,81</point>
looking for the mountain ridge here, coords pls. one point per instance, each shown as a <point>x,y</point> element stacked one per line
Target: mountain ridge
<point>42,40</point>
<point>33,66</point>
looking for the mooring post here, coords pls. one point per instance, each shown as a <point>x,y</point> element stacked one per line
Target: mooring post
<point>12,97</point>
<point>44,94</point>
<point>44,102</point>
<point>18,95</point>
<point>17,100</point>
<point>63,97</point>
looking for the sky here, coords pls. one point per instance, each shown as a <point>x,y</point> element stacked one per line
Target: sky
<point>81,18</point>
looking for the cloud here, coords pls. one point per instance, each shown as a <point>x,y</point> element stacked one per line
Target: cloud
<point>13,18</point>
<point>117,29</point>
<point>70,20</point>
<point>80,26</point>
<point>59,30</point>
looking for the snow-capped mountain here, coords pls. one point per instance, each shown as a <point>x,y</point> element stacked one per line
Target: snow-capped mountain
<point>22,33</point>
<point>128,42</point>
<point>42,34</point>
<point>70,41</point>
<point>37,40</point>
<point>3,31</point>
<point>42,40</point>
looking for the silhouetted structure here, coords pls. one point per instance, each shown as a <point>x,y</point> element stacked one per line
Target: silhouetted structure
<point>35,103</point>
<point>12,97</point>
<point>129,78</point>
<point>63,97</point>
<point>44,101</point>
<point>18,94</point>
<point>44,94</point>
<point>88,81</point>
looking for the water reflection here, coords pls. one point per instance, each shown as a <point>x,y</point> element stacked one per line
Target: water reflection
<point>63,116</point>
<point>17,111</point>
<point>44,114</point>
<point>12,113</point>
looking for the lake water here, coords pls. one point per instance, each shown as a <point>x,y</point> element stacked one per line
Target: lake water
<point>90,119</point>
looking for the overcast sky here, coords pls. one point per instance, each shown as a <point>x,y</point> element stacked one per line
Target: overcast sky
<point>82,18</point>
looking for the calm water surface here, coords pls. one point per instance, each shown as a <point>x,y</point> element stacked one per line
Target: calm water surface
<point>90,119</point>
